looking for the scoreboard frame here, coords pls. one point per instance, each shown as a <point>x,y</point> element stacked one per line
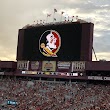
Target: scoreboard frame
<point>86,42</point>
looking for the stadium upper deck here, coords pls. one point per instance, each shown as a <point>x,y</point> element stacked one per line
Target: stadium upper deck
<point>95,70</point>
<point>61,50</point>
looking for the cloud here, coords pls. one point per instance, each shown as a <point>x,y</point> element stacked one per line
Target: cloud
<point>102,55</point>
<point>14,14</point>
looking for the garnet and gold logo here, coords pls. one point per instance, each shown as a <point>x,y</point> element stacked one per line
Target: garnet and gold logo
<point>49,43</point>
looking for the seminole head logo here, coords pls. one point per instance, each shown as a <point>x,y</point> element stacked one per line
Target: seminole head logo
<point>49,43</point>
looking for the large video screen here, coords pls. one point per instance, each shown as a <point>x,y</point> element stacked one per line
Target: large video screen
<point>60,42</point>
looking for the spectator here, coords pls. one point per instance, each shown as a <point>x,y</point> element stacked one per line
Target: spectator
<point>53,95</point>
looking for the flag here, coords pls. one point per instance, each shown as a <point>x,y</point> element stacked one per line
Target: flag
<point>54,19</point>
<point>76,17</point>
<point>62,12</point>
<point>40,21</point>
<point>48,15</point>
<point>65,18</point>
<point>68,18</point>
<point>55,10</point>
<point>37,21</point>
<point>72,18</point>
<point>43,21</point>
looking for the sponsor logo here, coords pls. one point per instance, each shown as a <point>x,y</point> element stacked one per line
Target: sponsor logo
<point>35,65</point>
<point>48,66</point>
<point>64,65</point>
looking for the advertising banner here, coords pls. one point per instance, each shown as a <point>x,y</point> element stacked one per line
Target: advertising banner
<point>95,77</point>
<point>29,72</point>
<point>63,66</point>
<point>48,66</point>
<point>35,65</point>
<point>99,78</point>
<point>1,73</point>
<point>107,78</point>
<point>23,65</point>
<point>78,66</point>
<point>62,74</point>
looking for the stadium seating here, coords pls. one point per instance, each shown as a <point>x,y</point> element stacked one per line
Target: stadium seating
<point>28,94</point>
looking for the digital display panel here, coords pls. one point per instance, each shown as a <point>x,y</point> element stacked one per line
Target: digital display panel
<point>60,42</point>
<point>11,102</point>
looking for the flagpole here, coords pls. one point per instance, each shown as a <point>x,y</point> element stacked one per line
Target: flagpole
<point>68,18</point>
<point>76,18</point>
<point>53,16</point>
<point>72,18</point>
<point>48,15</point>
<point>61,15</point>
<point>61,18</point>
<point>46,18</point>
<point>65,19</point>
<point>55,10</point>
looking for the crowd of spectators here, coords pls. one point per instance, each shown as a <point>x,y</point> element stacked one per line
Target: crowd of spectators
<point>53,95</point>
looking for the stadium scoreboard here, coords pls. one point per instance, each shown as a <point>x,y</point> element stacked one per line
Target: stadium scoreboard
<point>56,42</point>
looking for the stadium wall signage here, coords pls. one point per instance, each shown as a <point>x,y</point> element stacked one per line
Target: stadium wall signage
<point>48,66</point>
<point>63,66</point>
